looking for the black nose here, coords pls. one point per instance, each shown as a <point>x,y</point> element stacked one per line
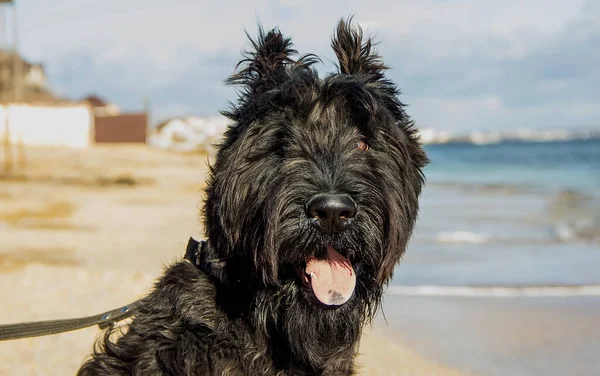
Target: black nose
<point>331,212</point>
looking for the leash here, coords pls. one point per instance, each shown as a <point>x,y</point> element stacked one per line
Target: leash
<point>194,253</point>
<point>44,328</point>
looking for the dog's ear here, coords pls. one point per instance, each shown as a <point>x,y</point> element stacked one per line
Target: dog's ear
<point>265,64</point>
<point>354,52</point>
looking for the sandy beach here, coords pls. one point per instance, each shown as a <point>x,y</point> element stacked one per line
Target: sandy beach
<point>83,232</point>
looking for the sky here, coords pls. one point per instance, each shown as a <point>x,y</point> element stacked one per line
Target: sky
<point>461,64</point>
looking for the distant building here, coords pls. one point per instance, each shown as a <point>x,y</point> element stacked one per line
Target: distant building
<point>70,124</point>
<point>432,136</point>
<point>30,77</point>
<point>36,116</point>
<point>189,133</point>
<point>121,128</point>
<point>60,124</point>
<point>101,107</point>
<point>112,126</point>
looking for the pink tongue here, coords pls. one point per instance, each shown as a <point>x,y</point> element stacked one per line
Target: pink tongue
<point>333,279</point>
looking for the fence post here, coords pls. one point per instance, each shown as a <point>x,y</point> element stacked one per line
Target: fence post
<point>8,163</point>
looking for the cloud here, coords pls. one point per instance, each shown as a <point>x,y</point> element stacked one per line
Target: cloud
<point>462,63</point>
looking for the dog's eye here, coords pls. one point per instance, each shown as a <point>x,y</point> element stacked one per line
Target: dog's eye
<point>362,145</point>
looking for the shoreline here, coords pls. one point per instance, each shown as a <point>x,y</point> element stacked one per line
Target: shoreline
<point>499,291</point>
<point>521,335</point>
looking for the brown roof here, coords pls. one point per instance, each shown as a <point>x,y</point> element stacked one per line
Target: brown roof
<point>95,101</point>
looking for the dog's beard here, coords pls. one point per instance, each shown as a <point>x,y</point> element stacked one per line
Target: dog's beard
<point>298,322</point>
<point>303,329</point>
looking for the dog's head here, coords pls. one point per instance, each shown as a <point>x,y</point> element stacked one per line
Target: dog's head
<point>315,186</point>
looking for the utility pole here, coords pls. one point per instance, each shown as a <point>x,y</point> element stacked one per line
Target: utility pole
<point>147,110</point>
<point>8,79</point>
<point>7,145</point>
<point>17,82</point>
<point>17,61</point>
<point>12,81</point>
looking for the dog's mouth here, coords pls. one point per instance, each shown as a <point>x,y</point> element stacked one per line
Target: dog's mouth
<point>332,279</point>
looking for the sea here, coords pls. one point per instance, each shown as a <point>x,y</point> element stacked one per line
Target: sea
<point>502,274</point>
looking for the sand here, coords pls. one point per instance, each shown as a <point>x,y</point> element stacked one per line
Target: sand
<point>85,231</point>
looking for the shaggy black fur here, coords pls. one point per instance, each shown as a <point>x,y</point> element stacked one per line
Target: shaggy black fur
<point>293,135</point>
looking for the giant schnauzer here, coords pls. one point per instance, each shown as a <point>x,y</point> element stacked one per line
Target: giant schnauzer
<point>309,206</point>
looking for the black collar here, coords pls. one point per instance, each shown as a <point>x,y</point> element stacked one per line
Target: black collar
<point>194,251</point>
<point>198,253</point>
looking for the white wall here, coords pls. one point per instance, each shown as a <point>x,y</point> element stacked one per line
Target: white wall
<point>70,125</point>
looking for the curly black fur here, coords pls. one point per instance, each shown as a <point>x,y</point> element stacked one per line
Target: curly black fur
<point>293,135</point>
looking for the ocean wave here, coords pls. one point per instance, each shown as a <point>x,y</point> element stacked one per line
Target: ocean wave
<point>586,229</point>
<point>480,187</point>
<point>574,216</point>
<point>495,291</point>
<point>461,237</point>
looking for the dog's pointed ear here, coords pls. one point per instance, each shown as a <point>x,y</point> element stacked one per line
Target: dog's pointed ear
<point>355,53</point>
<point>265,63</point>
<point>266,66</point>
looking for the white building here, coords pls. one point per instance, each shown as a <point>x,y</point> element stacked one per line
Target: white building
<point>189,133</point>
<point>70,125</point>
<point>432,136</point>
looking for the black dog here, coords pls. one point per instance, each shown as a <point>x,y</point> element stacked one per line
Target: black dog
<point>310,205</point>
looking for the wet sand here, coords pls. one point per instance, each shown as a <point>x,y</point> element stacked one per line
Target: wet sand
<point>83,232</point>
<point>550,336</point>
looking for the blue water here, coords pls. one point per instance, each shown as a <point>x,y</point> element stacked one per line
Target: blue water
<point>544,165</point>
<point>518,213</point>
<point>504,217</point>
